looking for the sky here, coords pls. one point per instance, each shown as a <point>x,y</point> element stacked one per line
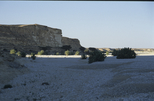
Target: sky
<point>100,24</point>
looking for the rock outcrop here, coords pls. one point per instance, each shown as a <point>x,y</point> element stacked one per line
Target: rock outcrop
<point>74,43</point>
<point>33,37</point>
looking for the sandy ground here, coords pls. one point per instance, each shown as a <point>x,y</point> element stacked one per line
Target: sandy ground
<point>73,79</point>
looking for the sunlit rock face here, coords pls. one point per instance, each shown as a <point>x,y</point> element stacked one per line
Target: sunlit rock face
<point>29,36</point>
<point>34,37</point>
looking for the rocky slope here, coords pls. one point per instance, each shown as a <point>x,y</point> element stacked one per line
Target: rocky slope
<point>10,67</point>
<point>33,37</point>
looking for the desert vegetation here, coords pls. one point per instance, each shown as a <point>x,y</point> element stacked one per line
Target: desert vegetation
<point>33,56</point>
<point>18,53</point>
<point>77,53</point>
<point>21,54</point>
<point>107,53</point>
<point>115,52</point>
<point>57,53</point>
<point>96,56</point>
<point>126,53</point>
<point>12,51</point>
<point>67,52</point>
<point>83,56</point>
<point>40,52</point>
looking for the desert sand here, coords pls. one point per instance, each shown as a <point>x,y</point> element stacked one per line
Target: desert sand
<point>67,78</point>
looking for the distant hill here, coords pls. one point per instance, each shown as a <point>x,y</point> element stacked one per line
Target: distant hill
<point>135,49</point>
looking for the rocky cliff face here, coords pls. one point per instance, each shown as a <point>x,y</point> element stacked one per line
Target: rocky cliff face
<point>74,43</point>
<point>32,37</point>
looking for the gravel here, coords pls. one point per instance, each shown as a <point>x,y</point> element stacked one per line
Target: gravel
<point>73,79</point>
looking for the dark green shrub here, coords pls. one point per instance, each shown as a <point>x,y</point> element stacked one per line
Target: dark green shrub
<point>126,53</point>
<point>23,54</point>
<point>40,52</point>
<point>7,86</point>
<point>115,52</point>
<point>96,56</point>
<point>33,56</point>
<point>12,51</point>
<point>83,56</point>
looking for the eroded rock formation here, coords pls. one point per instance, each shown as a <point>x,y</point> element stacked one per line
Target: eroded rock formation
<point>74,43</point>
<point>33,37</point>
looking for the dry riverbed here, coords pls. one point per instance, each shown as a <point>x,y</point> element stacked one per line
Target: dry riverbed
<point>73,79</point>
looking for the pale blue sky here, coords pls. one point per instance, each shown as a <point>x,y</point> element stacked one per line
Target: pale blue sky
<point>98,24</point>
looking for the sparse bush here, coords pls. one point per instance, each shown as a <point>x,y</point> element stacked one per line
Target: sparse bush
<point>18,53</point>
<point>12,51</point>
<point>33,56</point>
<point>57,53</point>
<point>126,53</point>
<point>107,53</point>
<point>67,52</point>
<point>77,53</point>
<point>96,56</point>
<point>115,52</point>
<point>83,56</point>
<point>40,52</point>
<point>22,54</point>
